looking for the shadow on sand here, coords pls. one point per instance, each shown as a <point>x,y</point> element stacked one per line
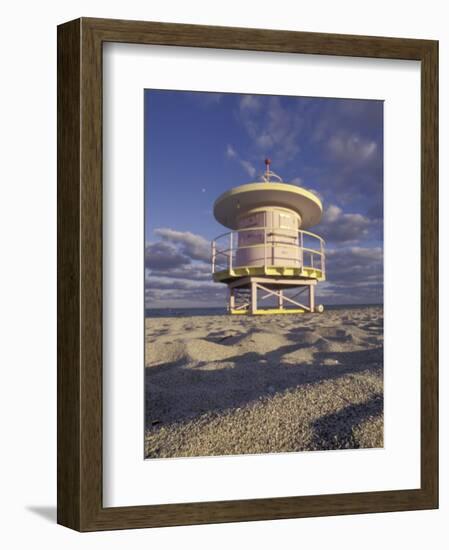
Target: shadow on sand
<point>335,431</point>
<point>177,392</point>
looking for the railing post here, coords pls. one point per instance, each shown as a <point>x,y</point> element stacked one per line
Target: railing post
<point>213,256</point>
<point>323,270</point>
<point>264,247</point>
<point>230,250</point>
<point>301,241</point>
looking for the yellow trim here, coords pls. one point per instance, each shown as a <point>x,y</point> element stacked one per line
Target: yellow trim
<point>272,271</point>
<point>226,204</point>
<point>266,311</point>
<point>272,186</point>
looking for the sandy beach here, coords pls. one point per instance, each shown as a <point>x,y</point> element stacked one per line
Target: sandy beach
<point>229,385</point>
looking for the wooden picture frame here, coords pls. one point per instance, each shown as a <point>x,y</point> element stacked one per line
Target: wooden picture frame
<point>80,504</point>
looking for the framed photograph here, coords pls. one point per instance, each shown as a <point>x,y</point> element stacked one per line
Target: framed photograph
<point>247,274</point>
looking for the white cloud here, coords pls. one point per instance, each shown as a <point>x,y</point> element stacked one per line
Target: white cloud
<point>195,270</point>
<point>230,152</point>
<point>272,129</point>
<point>338,226</point>
<point>248,167</point>
<point>250,102</point>
<point>350,256</point>
<point>332,214</point>
<point>351,148</point>
<point>178,271</point>
<point>164,256</point>
<point>265,142</point>
<point>161,282</point>
<point>296,181</point>
<point>353,275</point>
<point>245,164</point>
<point>194,246</point>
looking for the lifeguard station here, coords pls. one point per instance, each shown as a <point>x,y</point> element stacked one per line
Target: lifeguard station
<point>268,249</point>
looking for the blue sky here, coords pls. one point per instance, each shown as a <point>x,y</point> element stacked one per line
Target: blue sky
<point>198,145</point>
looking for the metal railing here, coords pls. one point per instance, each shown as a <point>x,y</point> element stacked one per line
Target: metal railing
<point>304,249</point>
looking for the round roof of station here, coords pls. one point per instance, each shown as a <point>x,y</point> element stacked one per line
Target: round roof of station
<point>231,204</point>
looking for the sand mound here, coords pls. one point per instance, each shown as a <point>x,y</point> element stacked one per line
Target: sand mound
<point>325,345</point>
<point>157,353</point>
<point>193,350</point>
<point>304,336</point>
<point>257,341</point>
<point>223,336</point>
<point>300,356</point>
<point>199,349</point>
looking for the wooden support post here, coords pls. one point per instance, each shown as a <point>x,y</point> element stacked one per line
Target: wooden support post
<point>312,298</point>
<point>281,299</point>
<point>231,299</point>
<point>253,297</point>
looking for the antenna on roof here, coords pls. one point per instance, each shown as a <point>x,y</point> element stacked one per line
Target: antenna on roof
<point>267,164</point>
<point>268,174</point>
